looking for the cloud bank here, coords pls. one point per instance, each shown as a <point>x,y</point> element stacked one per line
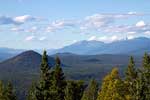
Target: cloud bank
<point>105,24</point>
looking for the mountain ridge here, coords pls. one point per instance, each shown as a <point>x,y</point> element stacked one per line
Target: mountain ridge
<point>134,46</point>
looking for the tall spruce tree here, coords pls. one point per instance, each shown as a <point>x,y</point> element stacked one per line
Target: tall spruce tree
<point>146,76</point>
<point>91,92</point>
<point>140,88</point>
<point>74,90</point>
<point>2,91</point>
<point>79,89</point>
<point>31,93</point>
<point>58,82</point>
<point>9,92</point>
<point>70,91</point>
<point>131,73</point>
<point>131,77</point>
<point>42,90</point>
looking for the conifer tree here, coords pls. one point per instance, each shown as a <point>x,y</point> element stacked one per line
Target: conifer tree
<point>32,92</point>
<point>2,91</point>
<point>79,89</point>
<point>91,92</point>
<point>70,91</point>
<point>9,93</point>
<point>131,73</point>
<point>140,88</point>
<point>146,61</point>
<point>131,77</point>
<point>42,90</point>
<point>145,72</point>
<point>74,90</point>
<point>58,82</point>
<point>113,88</point>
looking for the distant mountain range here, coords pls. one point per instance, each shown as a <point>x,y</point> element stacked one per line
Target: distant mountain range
<point>6,53</point>
<point>136,46</point>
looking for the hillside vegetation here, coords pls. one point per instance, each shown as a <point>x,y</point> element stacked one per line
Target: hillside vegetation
<point>52,84</point>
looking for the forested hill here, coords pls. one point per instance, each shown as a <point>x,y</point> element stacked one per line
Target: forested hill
<point>56,83</point>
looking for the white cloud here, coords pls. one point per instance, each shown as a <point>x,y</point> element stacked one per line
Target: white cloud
<point>74,41</point>
<point>108,39</point>
<point>97,21</point>
<point>92,38</point>
<point>42,38</point>
<point>100,22</point>
<point>60,24</point>
<point>130,37</point>
<point>139,28</point>
<point>147,33</point>
<point>32,29</point>
<point>132,13</point>
<point>93,22</point>
<point>17,29</point>
<point>29,38</point>
<point>34,38</point>
<point>4,20</point>
<point>132,32</point>
<point>50,29</point>
<point>24,18</point>
<point>140,24</point>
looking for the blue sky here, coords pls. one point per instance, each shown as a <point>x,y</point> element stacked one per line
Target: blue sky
<point>46,24</point>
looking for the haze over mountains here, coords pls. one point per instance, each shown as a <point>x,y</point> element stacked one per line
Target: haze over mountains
<point>136,46</point>
<point>6,53</point>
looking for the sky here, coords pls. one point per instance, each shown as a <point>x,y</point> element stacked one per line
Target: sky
<point>49,24</point>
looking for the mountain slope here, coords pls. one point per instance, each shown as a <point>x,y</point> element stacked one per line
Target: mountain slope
<point>25,61</point>
<point>133,46</point>
<point>6,53</point>
<point>81,47</point>
<point>22,69</point>
<point>136,46</point>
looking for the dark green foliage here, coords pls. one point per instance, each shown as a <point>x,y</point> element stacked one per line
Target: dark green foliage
<point>2,91</point>
<point>42,90</point>
<point>74,90</point>
<point>91,92</point>
<point>145,75</point>
<point>140,88</point>
<point>70,91</point>
<point>131,73</point>
<point>146,61</point>
<point>32,92</point>
<point>58,82</point>
<point>138,83</point>
<point>9,92</point>
<point>131,77</point>
<point>79,89</point>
